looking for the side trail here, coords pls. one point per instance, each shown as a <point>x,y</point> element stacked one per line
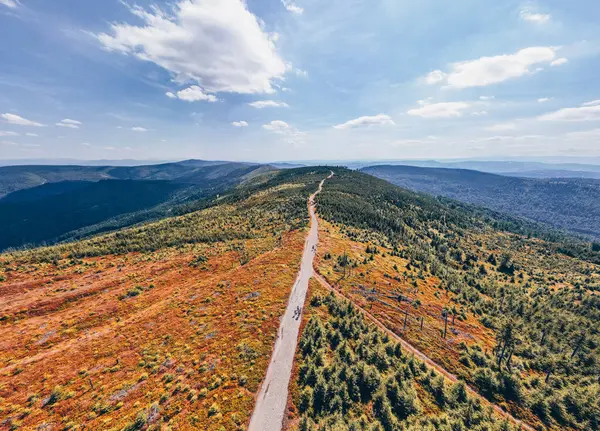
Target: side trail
<point>423,357</point>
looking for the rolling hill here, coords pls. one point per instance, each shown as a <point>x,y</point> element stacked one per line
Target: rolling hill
<point>14,178</point>
<point>91,200</point>
<point>422,314</point>
<point>548,169</point>
<point>566,203</point>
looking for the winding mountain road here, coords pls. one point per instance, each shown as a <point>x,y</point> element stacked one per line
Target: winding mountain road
<point>271,401</point>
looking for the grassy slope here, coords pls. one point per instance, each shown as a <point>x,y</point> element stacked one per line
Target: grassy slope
<point>168,324</point>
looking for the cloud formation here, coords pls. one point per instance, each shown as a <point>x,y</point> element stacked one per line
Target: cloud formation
<point>139,129</point>
<point>13,4</point>
<point>193,94</point>
<point>528,14</point>
<point>71,124</point>
<point>585,112</point>
<point>439,110</point>
<point>292,7</point>
<point>260,104</point>
<point>220,45</point>
<point>239,124</point>
<point>19,121</point>
<point>9,133</point>
<point>366,121</point>
<point>290,134</point>
<point>559,62</point>
<point>486,71</point>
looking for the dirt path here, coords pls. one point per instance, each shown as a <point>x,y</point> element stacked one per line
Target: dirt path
<point>412,349</point>
<point>271,401</point>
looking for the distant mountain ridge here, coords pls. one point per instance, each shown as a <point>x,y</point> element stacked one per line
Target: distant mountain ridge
<point>571,204</point>
<point>526,169</point>
<point>46,204</point>
<point>13,178</point>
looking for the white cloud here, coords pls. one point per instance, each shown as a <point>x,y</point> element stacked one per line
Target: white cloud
<point>71,124</point>
<point>69,121</point>
<point>291,135</point>
<point>170,95</point>
<point>582,113</point>
<point>219,45</point>
<point>301,73</point>
<point>8,133</point>
<point>559,62</point>
<point>485,98</point>
<point>195,94</point>
<point>10,3</point>
<point>479,113</point>
<point>527,14</point>
<point>592,103</point>
<point>492,70</point>
<point>367,121</point>
<point>277,126</point>
<point>292,7</point>
<point>239,124</point>
<point>544,99</point>
<point>435,77</point>
<point>33,135</point>
<point>502,127</point>
<point>268,104</point>
<point>12,144</point>
<point>19,121</point>
<point>139,129</point>
<point>439,110</point>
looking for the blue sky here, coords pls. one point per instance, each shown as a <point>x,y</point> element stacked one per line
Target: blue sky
<point>268,80</point>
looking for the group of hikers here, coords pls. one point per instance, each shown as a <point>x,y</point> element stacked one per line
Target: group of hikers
<point>297,312</point>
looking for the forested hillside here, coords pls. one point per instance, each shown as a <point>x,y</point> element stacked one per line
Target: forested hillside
<point>67,210</point>
<point>14,178</point>
<point>511,314</point>
<point>571,204</point>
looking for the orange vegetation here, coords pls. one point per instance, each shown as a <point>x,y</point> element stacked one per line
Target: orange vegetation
<point>377,284</point>
<point>156,338</point>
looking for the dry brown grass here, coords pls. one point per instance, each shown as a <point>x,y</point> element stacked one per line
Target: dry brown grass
<point>97,342</point>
